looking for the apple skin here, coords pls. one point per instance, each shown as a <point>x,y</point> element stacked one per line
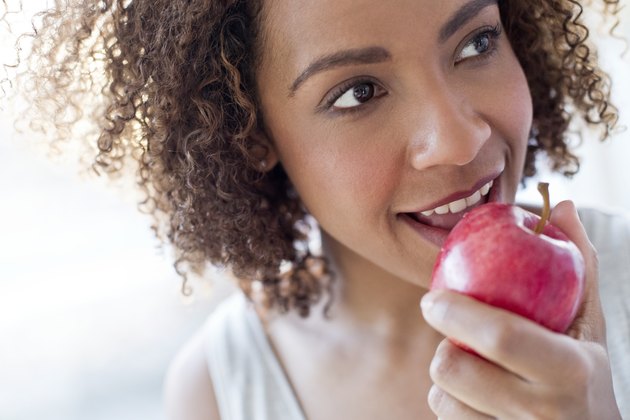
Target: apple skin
<point>494,255</point>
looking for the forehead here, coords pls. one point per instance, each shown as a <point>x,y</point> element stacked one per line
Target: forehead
<point>296,31</point>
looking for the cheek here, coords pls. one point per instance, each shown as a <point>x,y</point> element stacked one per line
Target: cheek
<point>347,184</point>
<point>517,104</point>
<point>508,106</point>
<point>519,120</point>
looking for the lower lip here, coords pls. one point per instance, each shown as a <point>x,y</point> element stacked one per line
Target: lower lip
<point>437,235</point>
<point>432,234</point>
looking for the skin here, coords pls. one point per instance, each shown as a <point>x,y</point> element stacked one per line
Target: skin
<point>444,116</point>
<point>439,128</point>
<point>572,381</point>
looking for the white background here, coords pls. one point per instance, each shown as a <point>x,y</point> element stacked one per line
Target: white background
<point>90,311</point>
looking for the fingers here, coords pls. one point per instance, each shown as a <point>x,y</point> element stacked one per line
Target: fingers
<point>446,407</point>
<point>477,383</point>
<point>565,217</point>
<point>513,342</point>
<point>589,324</point>
<point>467,386</point>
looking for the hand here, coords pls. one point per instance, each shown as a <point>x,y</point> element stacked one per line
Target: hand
<point>526,371</point>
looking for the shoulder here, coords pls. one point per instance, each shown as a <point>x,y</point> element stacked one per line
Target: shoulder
<point>609,232</point>
<point>607,228</point>
<point>188,389</point>
<point>190,393</point>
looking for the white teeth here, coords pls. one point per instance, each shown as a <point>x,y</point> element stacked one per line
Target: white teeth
<point>442,209</point>
<point>459,205</point>
<point>473,199</point>
<point>484,190</point>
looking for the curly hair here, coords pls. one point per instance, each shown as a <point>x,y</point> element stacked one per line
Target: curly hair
<point>176,85</point>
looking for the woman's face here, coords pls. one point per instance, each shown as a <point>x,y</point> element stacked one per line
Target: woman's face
<point>392,117</point>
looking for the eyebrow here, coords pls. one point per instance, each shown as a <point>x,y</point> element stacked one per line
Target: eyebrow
<point>462,16</point>
<point>372,55</point>
<point>367,55</point>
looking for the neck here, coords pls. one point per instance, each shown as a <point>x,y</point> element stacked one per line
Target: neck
<point>371,308</point>
<point>370,299</point>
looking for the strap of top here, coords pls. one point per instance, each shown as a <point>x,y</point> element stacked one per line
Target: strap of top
<point>248,379</point>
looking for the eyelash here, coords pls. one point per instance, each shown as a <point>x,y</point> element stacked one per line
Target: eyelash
<point>493,33</point>
<point>338,91</point>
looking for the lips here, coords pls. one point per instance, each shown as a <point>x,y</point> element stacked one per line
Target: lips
<point>448,220</point>
<point>460,204</point>
<point>436,227</point>
<point>446,216</point>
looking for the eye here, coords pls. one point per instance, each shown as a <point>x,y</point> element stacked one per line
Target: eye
<point>352,95</point>
<point>481,44</point>
<point>355,96</point>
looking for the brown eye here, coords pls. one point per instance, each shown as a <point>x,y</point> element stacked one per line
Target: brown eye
<point>364,92</point>
<point>481,45</point>
<point>355,96</point>
<point>477,46</point>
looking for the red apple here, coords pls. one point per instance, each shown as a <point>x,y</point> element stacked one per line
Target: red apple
<point>494,255</point>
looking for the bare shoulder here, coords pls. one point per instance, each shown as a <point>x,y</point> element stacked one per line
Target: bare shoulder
<point>188,390</point>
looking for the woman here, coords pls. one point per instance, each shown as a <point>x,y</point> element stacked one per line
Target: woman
<point>381,123</point>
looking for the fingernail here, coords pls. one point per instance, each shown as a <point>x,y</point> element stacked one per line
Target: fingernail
<point>431,305</point>
<point>427,302</point>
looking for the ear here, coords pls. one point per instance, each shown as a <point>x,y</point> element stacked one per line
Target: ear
<point>263,150</point>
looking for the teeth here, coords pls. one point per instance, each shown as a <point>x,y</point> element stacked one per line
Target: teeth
<point>442,209</point>
<point>459,205</point>
<point>474,199</point>
<point>484,190</point>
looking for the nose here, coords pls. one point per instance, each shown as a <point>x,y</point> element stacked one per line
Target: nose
<point>451,131</point>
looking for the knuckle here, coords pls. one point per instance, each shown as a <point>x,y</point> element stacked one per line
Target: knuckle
<point>578,366</point>
<point>581,373</point>
<point>502,338</point>
<point>563,402</point>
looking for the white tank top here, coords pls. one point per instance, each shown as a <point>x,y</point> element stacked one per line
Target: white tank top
<point>248,379</point>
<point>250,384</point>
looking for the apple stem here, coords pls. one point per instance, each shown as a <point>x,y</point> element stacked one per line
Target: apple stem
<point>543,188</point>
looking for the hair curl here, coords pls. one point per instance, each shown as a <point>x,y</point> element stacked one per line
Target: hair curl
<point>176,81</point>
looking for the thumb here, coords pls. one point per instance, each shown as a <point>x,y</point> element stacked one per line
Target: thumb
<point>589,323</point>
<point>565,217</point>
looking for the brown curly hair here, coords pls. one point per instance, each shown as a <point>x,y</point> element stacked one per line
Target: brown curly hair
<point>175,80</point>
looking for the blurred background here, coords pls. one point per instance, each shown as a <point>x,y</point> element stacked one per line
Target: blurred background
<point>90,306</point>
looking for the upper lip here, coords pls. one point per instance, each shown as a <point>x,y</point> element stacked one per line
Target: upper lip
<point>459,194</point>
